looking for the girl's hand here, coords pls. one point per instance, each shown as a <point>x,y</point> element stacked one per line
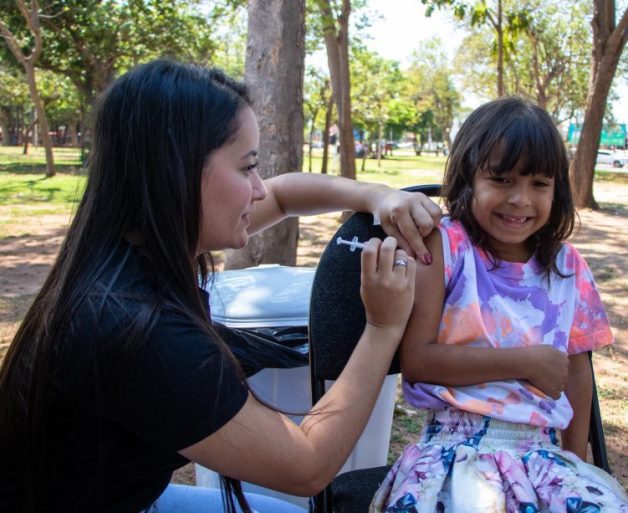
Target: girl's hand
<point>548,369</point>
<point>407,216</point>
<point>387,286</point>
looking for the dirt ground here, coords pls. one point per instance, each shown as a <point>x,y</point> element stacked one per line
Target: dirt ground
<point>25,261</point>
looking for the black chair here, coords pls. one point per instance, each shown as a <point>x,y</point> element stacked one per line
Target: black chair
<point>596,431</point>
<point>336,323</point>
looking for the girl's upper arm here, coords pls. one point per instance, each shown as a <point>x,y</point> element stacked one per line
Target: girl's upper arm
<point>262,446</point>
<point>429,297</point>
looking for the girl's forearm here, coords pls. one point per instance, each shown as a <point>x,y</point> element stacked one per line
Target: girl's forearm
<point>455,365</point>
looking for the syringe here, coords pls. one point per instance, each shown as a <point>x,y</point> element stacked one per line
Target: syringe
<point>353,243</point>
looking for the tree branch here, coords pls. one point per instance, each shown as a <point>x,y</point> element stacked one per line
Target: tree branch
<point>12,43</point>
<point>622,26</point>
<point>491,19</point>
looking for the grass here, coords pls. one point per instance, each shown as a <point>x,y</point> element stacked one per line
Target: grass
<point>399,170</point>
<point>23,181</point>
<point>26,191</point>
<point>12,159</point>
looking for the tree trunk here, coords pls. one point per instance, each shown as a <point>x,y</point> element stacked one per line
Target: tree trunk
<point>608,44</point>
<point>7,122</point>
<point>366,147</point>
<point>41,119</point>
<point>309,146</point>
<point>447,136</point>
<point>27,131</point>
<point>328,114</point>
<point>6,132</point>
<point>31,16</point>
<point>274,71</point>
<point>500,50</point>
<point>73,129</point>
<point>379,144</point>
<point>336,34</point>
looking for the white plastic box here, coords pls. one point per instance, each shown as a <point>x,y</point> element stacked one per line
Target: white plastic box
<point>278,296</point>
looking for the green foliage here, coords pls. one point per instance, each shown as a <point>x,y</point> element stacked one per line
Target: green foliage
<point>316,94</point>
<point>60,98</point>
<point>87,43</point>
<point>377,84</point>
<point>505,18</point>
<point>92,41</point>
<point>13,88</point>
<point>316,22</point>
<point>229,33</point>
<point>552,63</point>
<point>547,58</point>
<point>432,89</point>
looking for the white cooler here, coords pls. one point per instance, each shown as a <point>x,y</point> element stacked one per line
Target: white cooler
<point>273,297</point>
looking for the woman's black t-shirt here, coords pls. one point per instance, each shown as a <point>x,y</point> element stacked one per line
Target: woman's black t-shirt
<point>120,408</point>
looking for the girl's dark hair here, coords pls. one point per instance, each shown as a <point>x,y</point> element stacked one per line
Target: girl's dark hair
<point>526,135</point>
<point>154,129</point>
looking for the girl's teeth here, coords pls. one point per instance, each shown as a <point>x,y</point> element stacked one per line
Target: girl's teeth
<point>514,219</point>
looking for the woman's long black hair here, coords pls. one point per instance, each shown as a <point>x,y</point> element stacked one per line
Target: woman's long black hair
<point>526,134</point>
<point>153,130</point>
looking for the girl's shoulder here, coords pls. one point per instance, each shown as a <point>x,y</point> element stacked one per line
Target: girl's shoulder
<point>569,260</point>
<point>455,237</point>
<point>456,245</point>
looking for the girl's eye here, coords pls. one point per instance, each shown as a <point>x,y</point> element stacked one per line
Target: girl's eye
<point>498,179</point>
<point>541,183</point>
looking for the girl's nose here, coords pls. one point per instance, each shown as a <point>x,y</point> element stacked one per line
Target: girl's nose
<point>520,196</point>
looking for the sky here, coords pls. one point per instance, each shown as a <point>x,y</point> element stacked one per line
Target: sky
<point>399,31</point>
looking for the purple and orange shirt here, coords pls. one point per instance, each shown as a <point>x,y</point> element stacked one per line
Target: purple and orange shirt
<point>512,305</point>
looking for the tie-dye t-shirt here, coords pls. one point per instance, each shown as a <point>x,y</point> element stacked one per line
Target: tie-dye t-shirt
<point>511,305</point>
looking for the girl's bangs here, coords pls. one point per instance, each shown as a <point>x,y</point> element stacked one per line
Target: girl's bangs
<point>530,143</point>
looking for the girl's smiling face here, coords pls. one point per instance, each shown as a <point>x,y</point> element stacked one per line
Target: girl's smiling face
<point>230,186</point>
<point>510,208</point>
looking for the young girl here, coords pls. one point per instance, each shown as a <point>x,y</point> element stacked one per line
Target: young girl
<point>497,351</point>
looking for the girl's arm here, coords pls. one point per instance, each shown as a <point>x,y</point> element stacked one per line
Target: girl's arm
<point>261,445</point>
<point>406,216</point>
<point>423,360</point>
<point>579,391</point>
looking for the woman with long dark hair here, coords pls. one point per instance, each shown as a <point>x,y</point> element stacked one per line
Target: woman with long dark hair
<point>116,376</point>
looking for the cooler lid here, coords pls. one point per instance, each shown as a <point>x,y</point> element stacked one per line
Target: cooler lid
<point>260,297</point>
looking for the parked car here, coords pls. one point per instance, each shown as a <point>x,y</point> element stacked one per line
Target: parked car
<point>611,158</point>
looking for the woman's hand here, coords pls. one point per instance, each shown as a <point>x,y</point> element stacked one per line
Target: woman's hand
<point>407,216</point>
<point>387,285</point>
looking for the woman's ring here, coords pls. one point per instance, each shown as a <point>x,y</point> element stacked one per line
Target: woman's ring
<point>402,263</point>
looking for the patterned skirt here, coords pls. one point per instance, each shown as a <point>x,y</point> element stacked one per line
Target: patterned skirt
<point>469,463</point>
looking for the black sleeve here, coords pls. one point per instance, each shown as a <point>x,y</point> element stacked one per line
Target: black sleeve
<point>180,387</point>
